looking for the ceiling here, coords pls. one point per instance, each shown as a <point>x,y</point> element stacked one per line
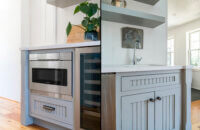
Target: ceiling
<point>182,11</point>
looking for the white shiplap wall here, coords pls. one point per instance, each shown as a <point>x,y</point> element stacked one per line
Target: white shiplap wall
<point>155,40</point>
<point>48,23</point>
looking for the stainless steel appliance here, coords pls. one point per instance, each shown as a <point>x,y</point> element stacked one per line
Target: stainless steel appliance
<point>50,74</point>
<point>87,91</point>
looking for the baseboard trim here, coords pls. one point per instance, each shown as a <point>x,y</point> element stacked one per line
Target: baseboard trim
<point>196,88</point>
<point>48,125</point>
<point>9,99</point>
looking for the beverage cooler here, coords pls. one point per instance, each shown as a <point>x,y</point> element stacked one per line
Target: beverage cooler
<point>88,88</point>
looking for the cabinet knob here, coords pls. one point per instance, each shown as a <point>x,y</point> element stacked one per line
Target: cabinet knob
<point>152,100</point>
<point>158,98</point>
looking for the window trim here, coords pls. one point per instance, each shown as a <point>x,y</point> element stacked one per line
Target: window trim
<point>171,38</point>
<point>189,49</point>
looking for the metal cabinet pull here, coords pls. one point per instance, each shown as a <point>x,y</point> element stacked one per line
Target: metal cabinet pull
<point>158,98</point>
<point>152,100</point>
<point>48,108</point>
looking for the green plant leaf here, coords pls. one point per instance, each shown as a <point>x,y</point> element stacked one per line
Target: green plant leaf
<point>69,28</point>
<point>94,21</point>
<point>92,9</point>
<point>98,21</point>
<point>84,8</point>
<point>91,27</point>
<point>87,18</point>
<point>89,23</point>
<point>85,23</point>
<point>77,9</point>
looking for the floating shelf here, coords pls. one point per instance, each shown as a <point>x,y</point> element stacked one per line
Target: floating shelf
<point>132,17</point>
<point>64,3</point>
<point>150,2</point>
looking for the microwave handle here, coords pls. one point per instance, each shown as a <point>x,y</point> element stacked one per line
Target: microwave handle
<point>51,56</point>
<point>47,56</point>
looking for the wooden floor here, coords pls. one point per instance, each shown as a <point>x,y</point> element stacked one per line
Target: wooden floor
<point>10,116</point>
<point>195,115</point>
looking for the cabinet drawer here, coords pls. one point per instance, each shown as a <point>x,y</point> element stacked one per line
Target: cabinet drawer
<point>148,81</point>
<point>56,111</point>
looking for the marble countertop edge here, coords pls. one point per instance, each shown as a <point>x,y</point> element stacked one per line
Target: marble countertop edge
<point>61,46</point>
<point>139,68</point>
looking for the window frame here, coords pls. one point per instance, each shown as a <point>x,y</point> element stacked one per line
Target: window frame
<point>190,50</point>
<point>172,53</point>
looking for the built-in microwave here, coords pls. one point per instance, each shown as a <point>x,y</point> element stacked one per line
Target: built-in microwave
<point>50,74</point>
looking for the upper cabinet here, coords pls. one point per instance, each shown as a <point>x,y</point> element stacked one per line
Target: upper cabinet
<point>64,3</point>
<point>131,17</point>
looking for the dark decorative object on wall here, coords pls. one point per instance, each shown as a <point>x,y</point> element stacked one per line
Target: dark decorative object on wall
<point>132,37</point>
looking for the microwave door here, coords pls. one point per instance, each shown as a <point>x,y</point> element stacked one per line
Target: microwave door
<point>51,76</point>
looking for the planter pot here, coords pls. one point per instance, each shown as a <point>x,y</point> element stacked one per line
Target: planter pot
<point>91,36</point>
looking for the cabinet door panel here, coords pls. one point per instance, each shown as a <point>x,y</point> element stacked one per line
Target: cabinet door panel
<point>138,112</point>
<point>167,110</point>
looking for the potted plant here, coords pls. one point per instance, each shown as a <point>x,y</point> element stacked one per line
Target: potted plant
<point>90,22</point>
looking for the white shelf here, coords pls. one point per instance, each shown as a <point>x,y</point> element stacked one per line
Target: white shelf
<point>132,17</point>
<point>64,3</point>
<point>149,2</point>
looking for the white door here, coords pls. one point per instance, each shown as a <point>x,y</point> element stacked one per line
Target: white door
<point>138,112</point>
<point>167,109</point>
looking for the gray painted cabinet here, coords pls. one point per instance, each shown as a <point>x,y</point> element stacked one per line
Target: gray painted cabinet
<point>155,110</point>
<point>138,112</point>
<point>56,111</point>
<point>167,109</point>
<point>143,100</point>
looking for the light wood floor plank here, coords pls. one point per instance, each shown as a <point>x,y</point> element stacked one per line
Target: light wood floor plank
<point>195,115</point>
<point>10,116</point>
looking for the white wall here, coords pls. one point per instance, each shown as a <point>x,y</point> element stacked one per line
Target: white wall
<point>155,40</point>
<point>10,41</point>
<point>48,23</point>
<point>181,53</point>
<point>179,34</point>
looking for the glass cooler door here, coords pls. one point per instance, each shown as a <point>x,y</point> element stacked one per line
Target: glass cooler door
<point>90,91</point>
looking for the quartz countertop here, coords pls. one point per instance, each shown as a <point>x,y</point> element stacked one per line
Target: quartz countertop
<point>139,68</point>
<point>61,46</point>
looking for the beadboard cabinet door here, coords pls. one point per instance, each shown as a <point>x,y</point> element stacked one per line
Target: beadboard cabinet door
<point>138,112</point>
<point>167,109</point>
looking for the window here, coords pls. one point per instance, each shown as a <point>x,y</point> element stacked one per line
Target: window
<point>170,52</point>
<point>194,48</point>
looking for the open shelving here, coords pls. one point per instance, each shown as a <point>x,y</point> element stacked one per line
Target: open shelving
<point>131,17</point>
<point>64,3</point>
<point>149,2</point>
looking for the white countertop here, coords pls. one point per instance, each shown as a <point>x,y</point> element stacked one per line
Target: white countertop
<point>61,46</point>
<point>138,68</point>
